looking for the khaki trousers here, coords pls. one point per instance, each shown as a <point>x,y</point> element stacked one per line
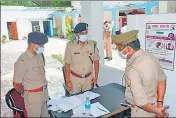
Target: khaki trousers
<point>137,112</point>
<point>80,84</point>
<point>35,103</point>
<point>108,46</point>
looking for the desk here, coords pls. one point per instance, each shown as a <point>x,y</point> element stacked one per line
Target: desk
<point>110,97</point>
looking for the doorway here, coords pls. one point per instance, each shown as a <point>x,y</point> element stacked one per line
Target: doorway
<point>12,30</point>
<point>45,27</point>
<point>35,26</point>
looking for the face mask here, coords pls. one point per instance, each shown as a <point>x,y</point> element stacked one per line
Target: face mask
<point>40,50</point>
<point>83,38</point>
<point>123,56</point>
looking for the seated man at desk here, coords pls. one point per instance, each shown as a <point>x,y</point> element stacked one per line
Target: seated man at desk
<point>146,81</point>
<point>80,56</point>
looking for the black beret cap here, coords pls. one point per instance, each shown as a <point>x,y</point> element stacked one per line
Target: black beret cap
<point>37,38</point>
<point>80,27</point>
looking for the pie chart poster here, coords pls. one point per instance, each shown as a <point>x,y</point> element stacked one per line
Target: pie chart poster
<point>160,40</point>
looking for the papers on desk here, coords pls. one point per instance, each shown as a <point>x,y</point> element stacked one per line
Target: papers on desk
<point>96,110</point>
<point>79,109</point>
<point>68,103</point>
<point>90,94</point>
<point>65,104</point>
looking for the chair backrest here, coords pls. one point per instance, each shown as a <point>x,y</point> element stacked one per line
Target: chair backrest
<point>14,100</point>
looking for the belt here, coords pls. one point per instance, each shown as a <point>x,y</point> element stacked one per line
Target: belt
<point>80,76</point>
<point>43,88</point>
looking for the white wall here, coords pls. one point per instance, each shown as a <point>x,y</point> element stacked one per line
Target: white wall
<point>139,22</point>
<point>108,75</point>
<point>92,13</point>
<point>167,7</point>
<point>24,27</point>
<point>22,18</point>
<point>76,4</point>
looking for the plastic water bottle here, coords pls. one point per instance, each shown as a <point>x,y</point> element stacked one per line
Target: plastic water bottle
<point>87,106</point>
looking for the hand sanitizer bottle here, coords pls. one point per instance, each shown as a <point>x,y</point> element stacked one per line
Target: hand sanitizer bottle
<point>87,106</point>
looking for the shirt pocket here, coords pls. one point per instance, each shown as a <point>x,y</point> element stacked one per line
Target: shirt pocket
<point>34,71</point>
<point>76,55</point>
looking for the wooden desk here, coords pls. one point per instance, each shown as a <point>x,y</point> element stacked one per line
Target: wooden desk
<point>111,96</point>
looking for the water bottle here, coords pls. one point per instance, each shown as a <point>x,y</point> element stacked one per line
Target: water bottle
<point>87,106</point>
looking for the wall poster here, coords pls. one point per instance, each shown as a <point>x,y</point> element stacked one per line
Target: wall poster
<point>160,40</point>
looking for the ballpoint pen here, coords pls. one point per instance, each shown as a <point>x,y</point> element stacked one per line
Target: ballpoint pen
<point>88,115</point>
<point>101,109</point>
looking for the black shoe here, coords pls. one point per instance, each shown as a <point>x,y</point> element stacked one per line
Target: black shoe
<point>110,58</point>
<point>106,58</point>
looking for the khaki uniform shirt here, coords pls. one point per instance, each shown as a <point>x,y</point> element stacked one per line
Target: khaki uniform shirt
<point>80,57</point>
<point>29,70</point>
<point>143,73</point>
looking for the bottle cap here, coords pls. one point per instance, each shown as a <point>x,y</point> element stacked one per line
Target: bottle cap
<point>87,98</point>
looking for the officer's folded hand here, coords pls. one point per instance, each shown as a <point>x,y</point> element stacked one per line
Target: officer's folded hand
<point>162,111</point>
<point>159,104</point>
<point>69,86</point>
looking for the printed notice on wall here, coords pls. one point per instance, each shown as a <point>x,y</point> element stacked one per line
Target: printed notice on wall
<point>161,41</point>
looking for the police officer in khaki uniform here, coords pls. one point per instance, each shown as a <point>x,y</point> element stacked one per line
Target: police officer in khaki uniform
<point>29,76</point>
<point>146,81</point>
<point>107,40</point>
<point>80,55</point>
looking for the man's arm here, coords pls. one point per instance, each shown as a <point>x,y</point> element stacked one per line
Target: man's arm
<point>18,87</point>
<point>67,72</point>
<point>96,65</point>
<point>67,60</point>
<point>19,72</point>
<point>161,92</point>
<point>153,109</point>
<point>96,68</point>
<point>139,95</point>
<point>161,89</point>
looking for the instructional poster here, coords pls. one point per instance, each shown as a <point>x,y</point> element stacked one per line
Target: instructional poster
<point>161,41</point>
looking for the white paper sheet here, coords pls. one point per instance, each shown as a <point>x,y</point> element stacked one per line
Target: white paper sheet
<point>68,103</point>
<point>95,110</point>
<point>79,109</point>
<point>90,94</point>
<point>52,101</point>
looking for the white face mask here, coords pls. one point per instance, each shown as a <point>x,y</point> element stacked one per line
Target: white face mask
<point>40,50</point>
<point>83,38</point>
<point>123,56</point>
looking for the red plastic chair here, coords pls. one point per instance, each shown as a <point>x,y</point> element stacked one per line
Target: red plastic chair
<point>15,101</point>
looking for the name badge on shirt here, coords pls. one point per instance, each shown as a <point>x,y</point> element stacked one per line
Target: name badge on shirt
<point>76,53</point>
